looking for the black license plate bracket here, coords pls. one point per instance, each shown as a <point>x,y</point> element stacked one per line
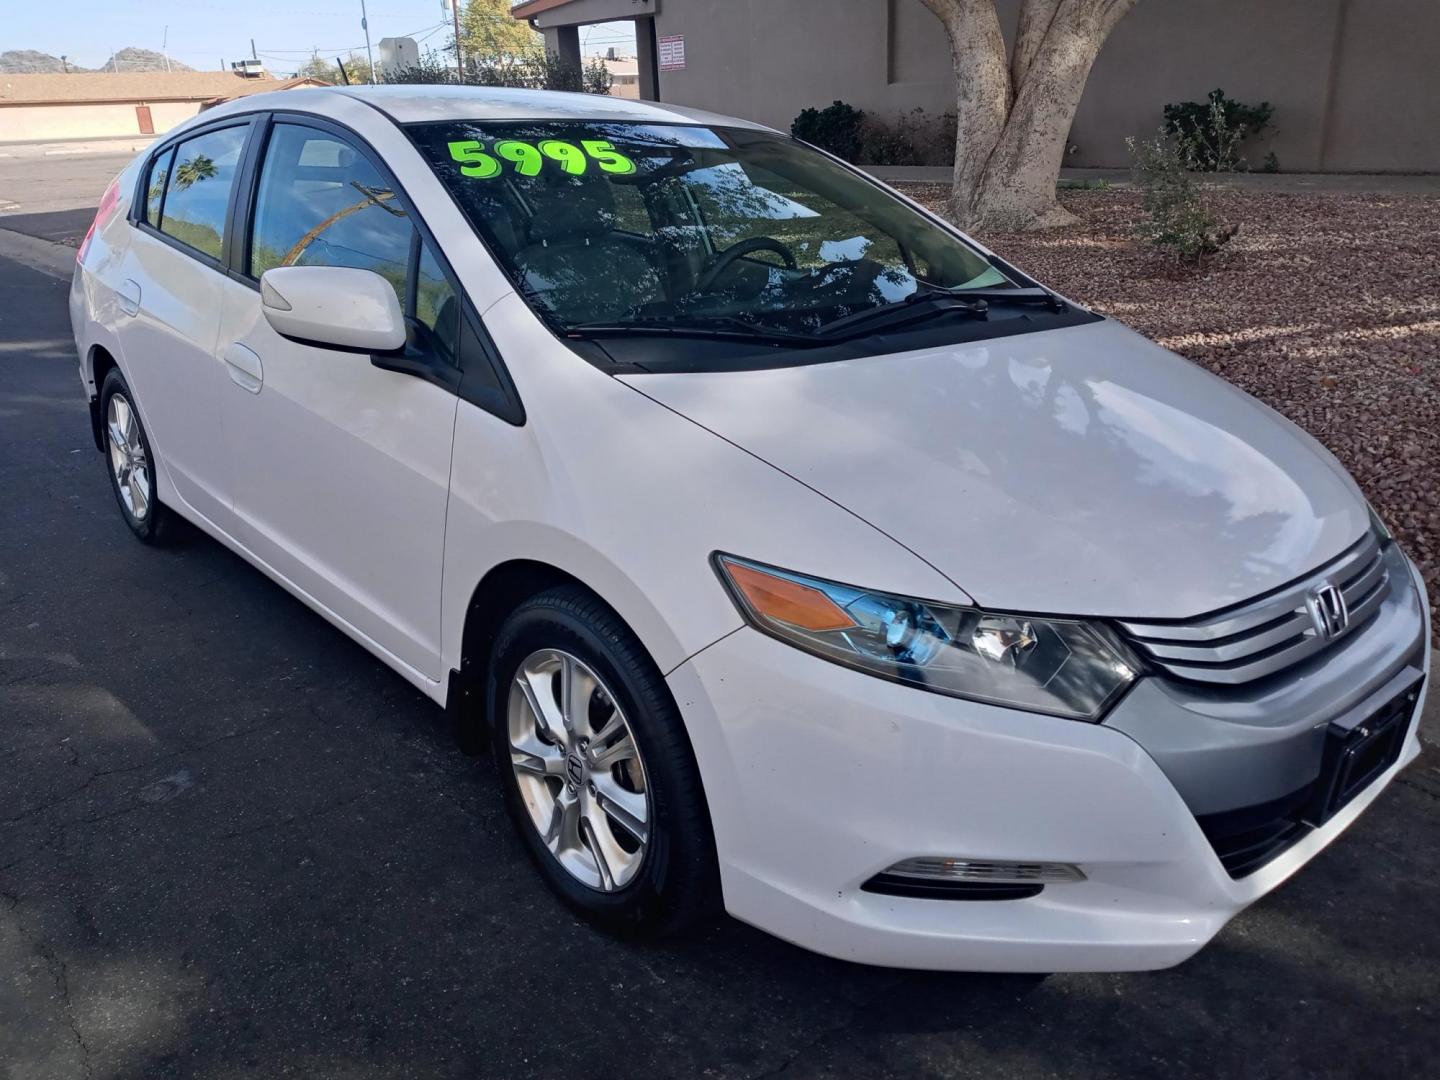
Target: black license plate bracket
<point>1358,753</point>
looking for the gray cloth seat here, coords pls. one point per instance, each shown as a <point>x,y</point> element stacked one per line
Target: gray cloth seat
<point>578,262</point>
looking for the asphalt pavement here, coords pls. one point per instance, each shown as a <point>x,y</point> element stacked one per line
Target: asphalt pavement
<point>234,844</point>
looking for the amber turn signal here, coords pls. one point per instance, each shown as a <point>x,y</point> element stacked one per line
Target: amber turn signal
<point>786,601</point>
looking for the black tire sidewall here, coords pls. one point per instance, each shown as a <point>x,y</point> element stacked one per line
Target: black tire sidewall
<point>151,528</point>
<point>676,878</point>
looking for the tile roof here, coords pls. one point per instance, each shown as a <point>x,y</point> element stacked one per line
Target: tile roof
<point>102,86</point>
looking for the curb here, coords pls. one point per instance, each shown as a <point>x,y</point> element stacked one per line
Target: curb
<point>46,256</point>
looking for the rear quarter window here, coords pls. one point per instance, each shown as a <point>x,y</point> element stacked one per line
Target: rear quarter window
<point>155,185</point>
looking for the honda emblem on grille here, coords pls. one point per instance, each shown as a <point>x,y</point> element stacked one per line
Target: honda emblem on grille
<point>1327,610</point>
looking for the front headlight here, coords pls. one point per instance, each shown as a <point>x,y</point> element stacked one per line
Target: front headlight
<point>1055,666</point>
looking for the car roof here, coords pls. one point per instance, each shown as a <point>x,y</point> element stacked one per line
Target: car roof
<point>418,103</point>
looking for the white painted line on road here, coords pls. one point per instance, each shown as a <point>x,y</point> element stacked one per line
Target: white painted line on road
<point>57,260</point>
<point>66,150</point>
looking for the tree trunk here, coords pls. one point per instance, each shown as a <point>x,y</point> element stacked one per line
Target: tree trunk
<point>1013,118</point>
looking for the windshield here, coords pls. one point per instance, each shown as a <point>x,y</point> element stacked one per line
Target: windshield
<point>602,223</point>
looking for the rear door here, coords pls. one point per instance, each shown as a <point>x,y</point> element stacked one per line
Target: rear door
<point>170,291</point>
<point>342,467</point>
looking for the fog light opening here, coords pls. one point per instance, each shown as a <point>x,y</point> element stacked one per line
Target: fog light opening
<point>937,878</point>
<point>934,868</point>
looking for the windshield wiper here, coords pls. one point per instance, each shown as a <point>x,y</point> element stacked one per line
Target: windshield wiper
<point>916,306</point>
<point>989,294</point>
<point>722,326</point>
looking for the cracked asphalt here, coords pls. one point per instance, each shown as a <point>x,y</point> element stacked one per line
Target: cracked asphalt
<point>232,844</point>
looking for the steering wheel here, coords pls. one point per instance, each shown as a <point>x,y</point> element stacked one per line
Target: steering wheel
<point>725,259</point>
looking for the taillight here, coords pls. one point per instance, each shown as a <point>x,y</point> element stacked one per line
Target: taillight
<point>109,203</point>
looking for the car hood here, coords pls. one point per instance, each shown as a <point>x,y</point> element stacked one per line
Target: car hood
<point>1080,471</point>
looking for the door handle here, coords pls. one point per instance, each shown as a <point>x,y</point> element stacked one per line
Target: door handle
<point>244,367</point>
<point>128,294</point>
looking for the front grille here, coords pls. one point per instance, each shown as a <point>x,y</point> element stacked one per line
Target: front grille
<point>1264,636</point>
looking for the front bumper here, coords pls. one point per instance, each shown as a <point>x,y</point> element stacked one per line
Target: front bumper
<point>818,777</point>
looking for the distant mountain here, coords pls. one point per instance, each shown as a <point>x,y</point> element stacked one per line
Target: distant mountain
<point>32,62</point>
<point>133,59</point>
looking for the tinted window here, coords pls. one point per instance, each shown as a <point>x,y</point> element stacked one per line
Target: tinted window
<point>197,193</point>
<point>321,203</point>
<point>155,185</point>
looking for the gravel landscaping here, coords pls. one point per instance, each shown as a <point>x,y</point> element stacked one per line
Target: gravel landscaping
<point>1325,306</point>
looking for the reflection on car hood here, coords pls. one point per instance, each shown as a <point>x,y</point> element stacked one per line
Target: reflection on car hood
<point>1082,471</point>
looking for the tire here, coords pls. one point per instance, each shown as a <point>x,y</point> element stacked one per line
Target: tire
<point>132,462</point>
<point>595,789</point>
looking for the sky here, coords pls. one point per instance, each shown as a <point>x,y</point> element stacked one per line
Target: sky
<point>203,32</point>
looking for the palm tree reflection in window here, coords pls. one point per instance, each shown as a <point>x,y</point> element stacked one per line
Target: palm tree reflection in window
<point>198,168</point>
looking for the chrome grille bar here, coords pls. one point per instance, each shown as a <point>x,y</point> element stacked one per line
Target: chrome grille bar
<point>1269,634</point>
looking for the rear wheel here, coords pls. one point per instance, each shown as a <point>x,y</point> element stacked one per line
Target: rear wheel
<point>598,773</point>
<point>132,464</point>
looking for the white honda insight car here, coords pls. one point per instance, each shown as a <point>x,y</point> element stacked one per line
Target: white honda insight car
<point>791,551</point>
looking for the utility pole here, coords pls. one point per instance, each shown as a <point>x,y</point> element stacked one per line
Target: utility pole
<point>459,62</point>
<point>253,54</point>
<point>365,25</point>
<point>165,48</point>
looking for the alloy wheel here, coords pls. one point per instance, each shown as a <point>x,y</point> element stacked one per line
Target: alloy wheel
<point>128,461</point>
<point>578,769</point>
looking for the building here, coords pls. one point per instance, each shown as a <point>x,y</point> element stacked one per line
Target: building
<point>1353,82</point>
<point>103,104</point>
<point>624,76</point>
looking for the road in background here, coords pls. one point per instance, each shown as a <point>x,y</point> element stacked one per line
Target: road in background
<point>33,182</point>
<point>232,843</point>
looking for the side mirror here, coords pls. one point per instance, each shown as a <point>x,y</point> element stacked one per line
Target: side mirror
<point>333,306</point>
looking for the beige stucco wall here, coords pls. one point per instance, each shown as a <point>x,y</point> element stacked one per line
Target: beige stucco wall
<point>1354,82</point>
<point>42,123</point>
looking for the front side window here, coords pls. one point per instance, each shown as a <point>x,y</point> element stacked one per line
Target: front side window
<point>602,222</point>
<point>197,191</point>
<point>321,203</point>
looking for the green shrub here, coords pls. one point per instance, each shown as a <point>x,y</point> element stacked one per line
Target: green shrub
<point>541,71</point>
<point>1210,132</point>
<point>912,138</point>
<point>1177,220</point>
<point>837,127</point>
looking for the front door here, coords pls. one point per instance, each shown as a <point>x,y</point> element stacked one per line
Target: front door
<point>341,469</point>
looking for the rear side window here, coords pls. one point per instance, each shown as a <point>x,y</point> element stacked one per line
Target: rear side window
<point>321,203</point>
<point>155,186</point>
<point>197,190</point>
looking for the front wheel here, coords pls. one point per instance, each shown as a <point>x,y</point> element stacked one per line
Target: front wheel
<point>597,770</point>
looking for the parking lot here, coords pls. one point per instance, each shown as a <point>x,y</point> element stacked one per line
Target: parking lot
<point>234,844</point>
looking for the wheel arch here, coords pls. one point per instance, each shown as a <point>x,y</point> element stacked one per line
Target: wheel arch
<point>503,587</point>
<point>98,362</point>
